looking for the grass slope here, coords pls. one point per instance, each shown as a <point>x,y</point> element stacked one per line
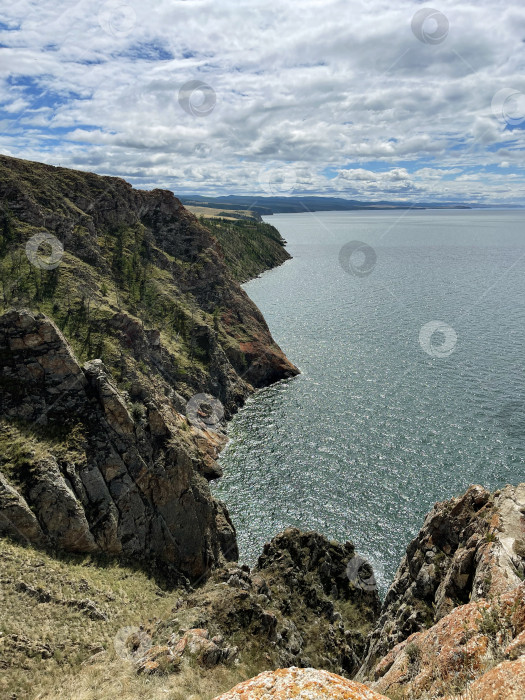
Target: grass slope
<point>250,247</point>
<point>48,635</point>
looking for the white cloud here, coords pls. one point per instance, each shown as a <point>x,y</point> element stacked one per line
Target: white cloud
<point>330,86</point>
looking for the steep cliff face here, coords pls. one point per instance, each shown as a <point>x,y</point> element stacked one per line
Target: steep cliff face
<point>79,473</point>
<point>118,366</point>
<point>124,347</point>
<point>463,552</point>
<point>133,259</point>
<point>474,653</point>
<point>301,606</point>
<point>453,622</point>
<point>112,625</point>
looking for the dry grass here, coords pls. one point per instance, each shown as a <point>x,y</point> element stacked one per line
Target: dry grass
<point>117,679</point>
<point>46,647</point>
<point>211,213</point>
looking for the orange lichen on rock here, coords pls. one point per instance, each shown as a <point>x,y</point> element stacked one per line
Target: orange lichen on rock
<point>459,649</point>
<point>505,682</point>
<point>300,683</point>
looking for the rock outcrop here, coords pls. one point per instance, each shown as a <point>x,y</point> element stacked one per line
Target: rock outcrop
<point>453,622</point>
<point>194,645</point>
<point>304,683</point>
<point>298,606</point>
<point>123,486</point>
<point>464,646</point>
<point>505,682</point>
<point>467,550</point>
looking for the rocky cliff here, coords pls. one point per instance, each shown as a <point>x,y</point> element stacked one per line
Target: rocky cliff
<point>298,606</point>
<point>124,345</point>
<point>140,283</point>
<point>453,621</point>
<point>123,349</point>
<point>80,474</point>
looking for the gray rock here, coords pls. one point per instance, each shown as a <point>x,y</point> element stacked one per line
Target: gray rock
<point>454,538</point>
<point>123,492</point>
<point>16,518</point>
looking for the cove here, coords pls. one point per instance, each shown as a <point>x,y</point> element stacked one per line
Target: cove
<point>384,420</point>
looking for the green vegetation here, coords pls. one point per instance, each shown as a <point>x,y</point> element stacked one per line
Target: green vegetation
<point>519,547</point>
<point>83,297</point>
<point>413,653</point>
<point>23,445</point>
<point>145,268</point>
<point>250,247</point>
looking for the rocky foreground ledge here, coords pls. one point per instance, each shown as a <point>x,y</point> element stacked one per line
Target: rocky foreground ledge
<point>297,606</point>
<point>452,626</point>
<point>287,683</point>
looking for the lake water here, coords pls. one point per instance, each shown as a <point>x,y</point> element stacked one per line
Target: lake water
<point>412,387</point>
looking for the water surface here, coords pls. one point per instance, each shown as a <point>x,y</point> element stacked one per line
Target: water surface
<point>375,429</point>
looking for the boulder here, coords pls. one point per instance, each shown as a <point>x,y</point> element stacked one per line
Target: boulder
<point>300,683</point>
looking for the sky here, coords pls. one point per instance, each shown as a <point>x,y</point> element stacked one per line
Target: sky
<point>375,100</point>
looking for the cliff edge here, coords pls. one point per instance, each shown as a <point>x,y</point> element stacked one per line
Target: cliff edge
<point>452,624</point>
<point>125,345</point>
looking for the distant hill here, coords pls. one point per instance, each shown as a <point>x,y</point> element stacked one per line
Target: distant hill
<point>264,206</point>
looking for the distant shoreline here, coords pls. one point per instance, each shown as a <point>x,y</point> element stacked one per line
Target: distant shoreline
<point>266,206</point>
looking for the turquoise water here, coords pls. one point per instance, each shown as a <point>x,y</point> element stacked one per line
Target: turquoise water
<point>379,425</point>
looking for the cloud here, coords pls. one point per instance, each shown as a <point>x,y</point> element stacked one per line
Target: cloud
<point>342,91</point>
